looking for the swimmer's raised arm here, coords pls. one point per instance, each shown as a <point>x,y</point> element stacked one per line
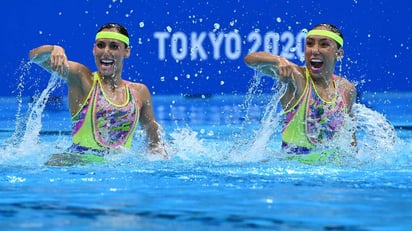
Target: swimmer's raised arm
<point>77,76</point>
<point>274,65</point>
<point>53,58</point>
<point>50,57</point>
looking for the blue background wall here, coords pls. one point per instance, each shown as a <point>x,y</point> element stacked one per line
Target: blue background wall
<point>377,40</point>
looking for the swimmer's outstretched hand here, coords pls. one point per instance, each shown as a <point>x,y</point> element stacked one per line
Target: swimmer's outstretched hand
<point>52,58</point>
<point>58,60</point>
<point>273,65</point>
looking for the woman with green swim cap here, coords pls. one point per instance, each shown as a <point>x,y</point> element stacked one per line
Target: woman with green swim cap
<point>105,108</point>
<point>316,102</point>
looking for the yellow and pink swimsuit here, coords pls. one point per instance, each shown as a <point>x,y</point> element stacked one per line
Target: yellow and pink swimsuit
<point>312,120</point>
<point>100,124</point>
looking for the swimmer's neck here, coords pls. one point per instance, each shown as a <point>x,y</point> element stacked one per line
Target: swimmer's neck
<point>112,82</point>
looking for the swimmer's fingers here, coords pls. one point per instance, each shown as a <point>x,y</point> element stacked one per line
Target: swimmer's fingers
<point>285,71</point>
<point>283,68</point>
<point>288,73</point>
<point>58,60</point>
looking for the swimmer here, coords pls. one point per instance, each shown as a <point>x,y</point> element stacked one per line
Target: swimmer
<point>316,102</point>
<point>105,109</point>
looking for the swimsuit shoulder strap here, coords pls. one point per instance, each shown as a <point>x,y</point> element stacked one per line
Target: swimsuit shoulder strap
<point>133,90</point>
<point>302,96</point>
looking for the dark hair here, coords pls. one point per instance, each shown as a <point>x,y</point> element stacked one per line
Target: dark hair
<point>119,28</point>
<point>332,28</point>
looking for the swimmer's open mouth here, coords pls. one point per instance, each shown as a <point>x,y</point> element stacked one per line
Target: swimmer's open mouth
<point>107,62</point>
<point>316,63</point>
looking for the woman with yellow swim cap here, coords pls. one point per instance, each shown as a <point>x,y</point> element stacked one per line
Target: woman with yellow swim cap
<point>316,102</point>
<point>105,108</point>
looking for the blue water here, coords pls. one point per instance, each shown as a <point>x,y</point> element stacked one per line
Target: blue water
<point>225,171</point>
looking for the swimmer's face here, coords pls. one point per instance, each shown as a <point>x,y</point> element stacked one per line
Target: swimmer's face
<point>321,54</point>
<point>109,55</point>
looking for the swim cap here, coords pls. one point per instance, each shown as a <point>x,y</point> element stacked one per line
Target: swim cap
<point>328,34</point>
<point>112,35</point>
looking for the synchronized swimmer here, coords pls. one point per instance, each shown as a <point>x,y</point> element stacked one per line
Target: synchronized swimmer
<point>105,109</point>
<point>316,102</point>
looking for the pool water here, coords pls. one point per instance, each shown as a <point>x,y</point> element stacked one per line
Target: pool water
<point>224,173</point>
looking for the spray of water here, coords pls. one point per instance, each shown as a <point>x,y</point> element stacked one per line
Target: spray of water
<point>20,122</point>
<point>257,147</point>
<point>25,139</point>
<point>377,139</point>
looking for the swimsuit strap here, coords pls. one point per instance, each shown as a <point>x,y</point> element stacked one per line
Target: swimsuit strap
<point>293,131</point>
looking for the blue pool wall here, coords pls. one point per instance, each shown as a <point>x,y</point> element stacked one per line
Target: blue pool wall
<point>197,47</point>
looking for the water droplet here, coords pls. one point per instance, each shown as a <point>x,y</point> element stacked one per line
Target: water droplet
<point>216,26</point>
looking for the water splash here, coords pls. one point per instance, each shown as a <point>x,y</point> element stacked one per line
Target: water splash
<point>255,148</point>
<point>20,122</point>
<point>25,139</point>
<point>377,138</point>
<point>34,124</point>
<point>253,90</point>
<point>272,118</point>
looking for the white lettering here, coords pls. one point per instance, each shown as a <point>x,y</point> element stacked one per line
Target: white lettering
<point>161,36</point>
<point>216,44</point>
<point>177,53</point>
<point>284,44</point>
<point>287,37</point>
<point>235,38</point>
<point>257,41</point>
<point>196,46</point>
<point>271,43</point>
<point>300,45</point>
